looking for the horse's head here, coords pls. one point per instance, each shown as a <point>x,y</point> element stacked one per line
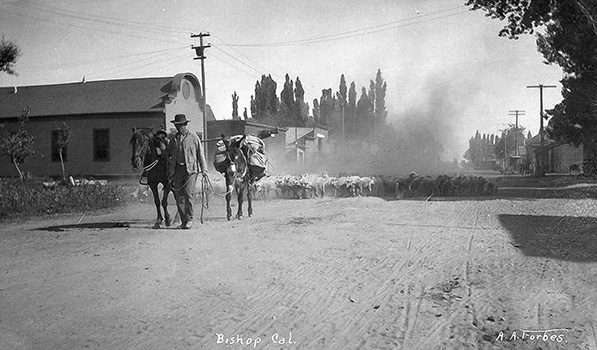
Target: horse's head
<point>139,142</point>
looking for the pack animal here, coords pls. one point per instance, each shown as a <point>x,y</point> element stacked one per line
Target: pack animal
<point>241,159</point>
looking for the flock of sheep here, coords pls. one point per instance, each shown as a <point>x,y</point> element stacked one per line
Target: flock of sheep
<point>321,185</point>
<point>411,186</point>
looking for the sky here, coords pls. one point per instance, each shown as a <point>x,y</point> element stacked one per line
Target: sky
<point>444,64</point>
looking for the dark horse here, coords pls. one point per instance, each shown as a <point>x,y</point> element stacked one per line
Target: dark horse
<point>149,154</point>
<point>239,174</point>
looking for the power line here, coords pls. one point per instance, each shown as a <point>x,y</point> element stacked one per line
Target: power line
<point>352,33</point>
<point>240,69</point>
<point>121,23</point>
<point>239,61</point>
<point>157,60</point>
<point>102,30</point>
<point>264,69</point>
<point>95,61</point>
<point>134,25</point>
<point>158,29</point>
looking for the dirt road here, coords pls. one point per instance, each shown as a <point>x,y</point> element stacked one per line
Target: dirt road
<point>354,273</point>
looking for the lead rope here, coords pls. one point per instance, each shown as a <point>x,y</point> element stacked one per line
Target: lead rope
<point>183,185</point>
<point>204,198</point>
<point>214,191</point>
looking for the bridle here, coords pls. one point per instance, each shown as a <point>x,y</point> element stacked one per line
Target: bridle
<point>233,157</point>
<point>151,139</point>
<point>141,141</point>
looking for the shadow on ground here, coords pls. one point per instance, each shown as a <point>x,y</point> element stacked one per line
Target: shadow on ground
<point>557,237</point>
<point>92,225</point>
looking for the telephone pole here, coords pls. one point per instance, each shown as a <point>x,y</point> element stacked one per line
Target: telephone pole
<point>200,51</point>
<point>516,113</point>
<point>541,160</point>
<point>505,160</point>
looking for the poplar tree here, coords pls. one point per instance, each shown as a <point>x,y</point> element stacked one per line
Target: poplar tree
<point>235,115</point>
<point>380,100</point>
<point>362,115</point>
<point>287,103</point>
<point>351,109</point>
<point>302,108</point>
<point>342,102</point>
<point>266,103</point>
<point>316,114</point>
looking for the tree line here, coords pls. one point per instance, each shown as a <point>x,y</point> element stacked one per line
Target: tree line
<point>485,149</point>
<point>343,112</point>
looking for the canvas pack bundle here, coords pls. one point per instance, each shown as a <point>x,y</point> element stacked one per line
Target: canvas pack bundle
<point>255,144</point>
<point>257,158</point>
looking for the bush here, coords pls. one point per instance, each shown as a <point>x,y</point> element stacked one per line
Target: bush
<point>17,199</point>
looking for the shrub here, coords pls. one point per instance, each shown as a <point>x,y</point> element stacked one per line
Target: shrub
<point>17,199</point>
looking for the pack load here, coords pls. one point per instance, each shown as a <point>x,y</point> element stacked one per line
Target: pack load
<point>256,158</point>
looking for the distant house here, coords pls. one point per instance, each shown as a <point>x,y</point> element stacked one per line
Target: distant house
<point>304,144</point>
<point>559,156</point>
<point>100,115</point>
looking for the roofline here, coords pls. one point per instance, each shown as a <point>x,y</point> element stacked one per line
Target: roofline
<point>37,117</point>
<point>248,123</point>
<point>93,81</point>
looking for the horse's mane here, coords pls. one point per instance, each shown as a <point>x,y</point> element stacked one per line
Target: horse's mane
<point>145,142</point>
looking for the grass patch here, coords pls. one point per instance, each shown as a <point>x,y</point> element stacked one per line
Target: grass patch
<point>33,198</point>
<point>550,186</point>
<point>546,181</point>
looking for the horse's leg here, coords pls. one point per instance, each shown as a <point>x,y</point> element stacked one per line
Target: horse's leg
<point>165,203</point>
<point>240,189</point>
<point>228,196</point>
<point>249,200</point>
<point>156,201</point>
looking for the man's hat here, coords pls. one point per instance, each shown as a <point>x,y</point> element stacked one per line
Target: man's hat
<point>179,119</point>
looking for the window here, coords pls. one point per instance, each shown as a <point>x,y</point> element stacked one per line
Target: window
<point>101,145</point>
<point>56,138</point>
<point>186,89</point>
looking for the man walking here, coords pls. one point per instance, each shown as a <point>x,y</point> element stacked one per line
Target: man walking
<point>185,162</point>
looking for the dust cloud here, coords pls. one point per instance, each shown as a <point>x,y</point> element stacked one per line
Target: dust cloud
<point>417,139</point>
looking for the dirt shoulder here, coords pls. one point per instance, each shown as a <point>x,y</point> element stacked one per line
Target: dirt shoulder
<point>354,273</point>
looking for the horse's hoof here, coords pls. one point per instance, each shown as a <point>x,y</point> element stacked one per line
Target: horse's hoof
<point>157,226</point>
<point>168,222</point>
<point>228,217</point>
<point>240,217</point>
